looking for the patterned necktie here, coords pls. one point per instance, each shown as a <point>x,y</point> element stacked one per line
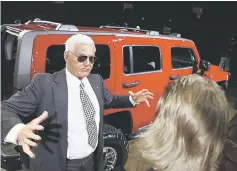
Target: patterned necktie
<point>89,113</point>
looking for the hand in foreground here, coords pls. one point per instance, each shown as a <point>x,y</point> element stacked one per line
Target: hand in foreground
<point>142,96</point>
<point>26,136</point>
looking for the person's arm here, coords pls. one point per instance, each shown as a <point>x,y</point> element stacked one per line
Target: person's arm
<point>12,134</point>
<point>116,101</point>
<point>20,106</point>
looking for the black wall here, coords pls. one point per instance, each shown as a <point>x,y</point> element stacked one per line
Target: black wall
<point>209,32</point>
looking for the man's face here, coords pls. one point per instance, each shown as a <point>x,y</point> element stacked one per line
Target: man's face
<point>74,59</point>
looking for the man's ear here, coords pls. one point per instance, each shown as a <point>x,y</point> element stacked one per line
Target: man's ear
<point>65,56</point>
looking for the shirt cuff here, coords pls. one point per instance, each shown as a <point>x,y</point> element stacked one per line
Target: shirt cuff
<point>12,134</point>
<point>132,101</point>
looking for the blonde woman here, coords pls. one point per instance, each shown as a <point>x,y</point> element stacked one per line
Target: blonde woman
<point>191,125</point>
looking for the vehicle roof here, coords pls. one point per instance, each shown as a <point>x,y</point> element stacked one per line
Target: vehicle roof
<point>46,27</point>
<point>51,27</point>
<point>40,25</point>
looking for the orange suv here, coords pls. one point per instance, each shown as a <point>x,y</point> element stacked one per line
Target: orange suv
<point>129,59</point>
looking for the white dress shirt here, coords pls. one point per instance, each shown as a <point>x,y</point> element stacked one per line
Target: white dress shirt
<point>78,146</point>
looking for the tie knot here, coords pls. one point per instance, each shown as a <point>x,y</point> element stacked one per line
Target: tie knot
<point>82,85</point>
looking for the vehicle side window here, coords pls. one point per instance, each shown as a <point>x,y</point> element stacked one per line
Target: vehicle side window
<point>102,65</point>
<point>182,57</point>
<point>126,60</point>
<point>144,59</point>
<point>8,56</point>
<point>55,60</point>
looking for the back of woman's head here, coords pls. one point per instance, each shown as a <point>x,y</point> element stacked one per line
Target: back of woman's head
<point>190,128</point>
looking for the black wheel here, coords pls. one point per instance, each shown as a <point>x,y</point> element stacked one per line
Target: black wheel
<point>10,158</point>
<point>115,148</point>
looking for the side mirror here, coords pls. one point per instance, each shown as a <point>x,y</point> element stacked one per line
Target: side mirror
<point>204,65</point>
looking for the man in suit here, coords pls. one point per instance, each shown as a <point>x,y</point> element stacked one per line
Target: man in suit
<point>58,118</point>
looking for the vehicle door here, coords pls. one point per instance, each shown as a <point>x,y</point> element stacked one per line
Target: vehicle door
<point>184,59</point>
<point>141,65</point>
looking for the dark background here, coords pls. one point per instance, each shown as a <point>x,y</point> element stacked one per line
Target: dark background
<point>210,32</point>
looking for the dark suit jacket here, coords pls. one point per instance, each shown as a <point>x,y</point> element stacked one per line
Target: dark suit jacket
<point>48,92</point>
<point>229,154</point>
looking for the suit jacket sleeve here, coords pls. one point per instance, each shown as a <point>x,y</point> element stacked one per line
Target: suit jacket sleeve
<point>21,107</point>
<point>115,101</point>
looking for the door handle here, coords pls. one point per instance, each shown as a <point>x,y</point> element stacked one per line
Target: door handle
<point>130,85</point>
<point>174,77</point>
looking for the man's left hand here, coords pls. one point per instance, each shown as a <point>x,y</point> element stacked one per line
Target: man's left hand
<point>141,96</point>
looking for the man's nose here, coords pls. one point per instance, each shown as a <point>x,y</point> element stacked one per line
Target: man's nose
<point>87,62</point>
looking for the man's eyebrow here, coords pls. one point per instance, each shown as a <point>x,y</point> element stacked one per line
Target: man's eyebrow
<point>78,54</point>
<point>86,54</point>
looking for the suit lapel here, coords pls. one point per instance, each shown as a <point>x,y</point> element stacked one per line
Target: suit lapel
<point>97,89</point>
<point>61,96</point>
<point>60,93</point>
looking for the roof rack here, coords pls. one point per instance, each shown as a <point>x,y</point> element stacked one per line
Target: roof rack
<point>137,29</point>
<point>59,26</point>
<point>124,28</point>
<point>175,35</point>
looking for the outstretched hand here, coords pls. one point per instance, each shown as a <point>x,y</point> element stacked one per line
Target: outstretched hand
<point>27,137</point>
<point>142,96</point>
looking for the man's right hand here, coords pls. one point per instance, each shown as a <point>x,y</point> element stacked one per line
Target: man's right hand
<point>27,134</point>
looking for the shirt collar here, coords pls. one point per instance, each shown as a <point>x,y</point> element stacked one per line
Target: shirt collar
<point>72,80</point>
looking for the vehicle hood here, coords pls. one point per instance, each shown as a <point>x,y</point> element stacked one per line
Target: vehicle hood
<point>217,74</point>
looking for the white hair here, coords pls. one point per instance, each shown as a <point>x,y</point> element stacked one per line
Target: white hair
<point>78,38</point>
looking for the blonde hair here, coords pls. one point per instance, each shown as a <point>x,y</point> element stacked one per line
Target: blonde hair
<point>191,125</point>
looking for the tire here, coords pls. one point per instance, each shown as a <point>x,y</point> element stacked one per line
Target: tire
<point>10,158</point>
<point>115,148</point>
